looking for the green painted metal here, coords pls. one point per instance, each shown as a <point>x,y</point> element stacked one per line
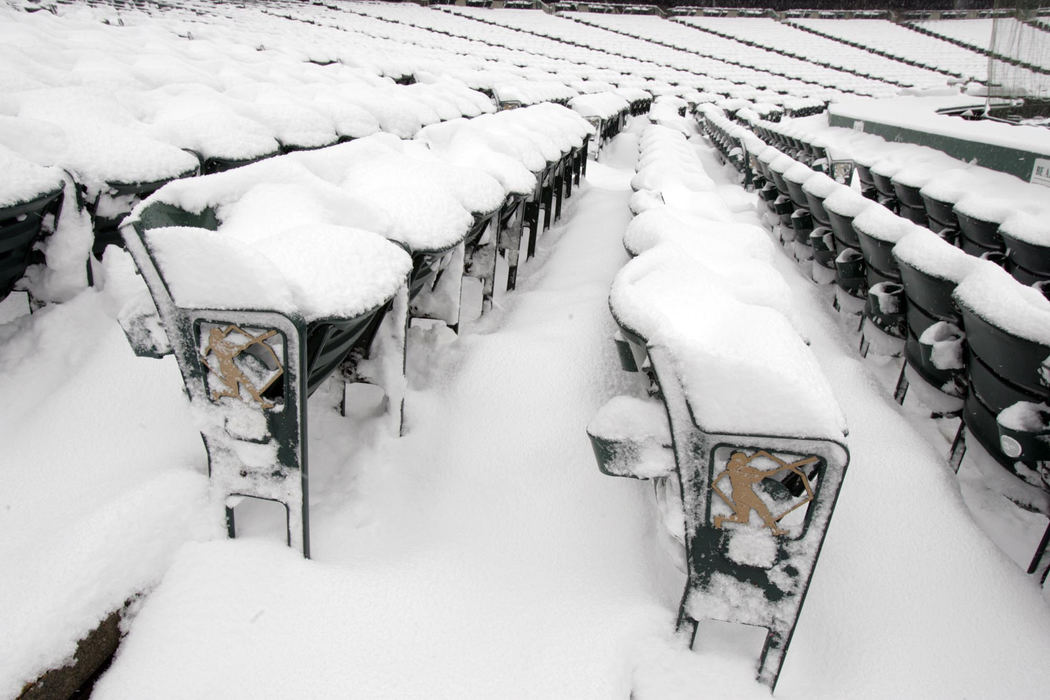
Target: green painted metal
<point>727,579</point>
<point>1008,160</point>
<point>21,226</point>
<point>248,374</point>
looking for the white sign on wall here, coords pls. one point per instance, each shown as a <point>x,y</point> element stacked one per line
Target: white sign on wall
<point>1041,172</point>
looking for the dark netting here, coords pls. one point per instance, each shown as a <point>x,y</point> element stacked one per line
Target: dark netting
<point>1019,60</point>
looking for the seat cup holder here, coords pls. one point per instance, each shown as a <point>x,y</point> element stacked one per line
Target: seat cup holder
<point>1024,431</point>
<point>886,307</point>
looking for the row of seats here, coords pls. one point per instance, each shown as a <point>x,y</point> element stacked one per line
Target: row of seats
<point>113,130</point>
<point>984,212</point>
<point>607,112</point>
<point>269,278</point>
<point>119,127</point>
<point>675,62</point>
<point>976,338</point>
<point>688,305</point>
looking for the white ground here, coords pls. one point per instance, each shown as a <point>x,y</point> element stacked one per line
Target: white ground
<point>482,555</point>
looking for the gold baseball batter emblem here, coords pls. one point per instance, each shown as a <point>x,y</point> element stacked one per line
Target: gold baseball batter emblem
<point>233,377</point>
<point>742,498</point>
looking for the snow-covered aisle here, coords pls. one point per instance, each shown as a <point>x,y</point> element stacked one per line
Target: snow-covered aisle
<point>482,555</point>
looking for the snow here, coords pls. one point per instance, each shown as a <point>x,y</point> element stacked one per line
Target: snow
<point>482,554</point>
<point>798,173</point>
<point>920,113</point>
<point>820,186</point>
<point>317,271</point>
<point>25,180</point>
<point>603,105</point>
<point>881,224</point>
<point>1025,416</point>
<point>1006,303</point>
<point>924,250</point>
<point>98,490</point>
<point>1027,228</point>
<point>947,345</point>
<point>626,417</point>
<point>662,223</point>
<point>709,331</point>
<point>950,185</point>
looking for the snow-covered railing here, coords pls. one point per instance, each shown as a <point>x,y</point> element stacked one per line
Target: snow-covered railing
<point>744,423</point>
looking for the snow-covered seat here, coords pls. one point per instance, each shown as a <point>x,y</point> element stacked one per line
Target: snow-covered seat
<point>783,205</point>
<point>266,279</point>
<point>747,416</point>
<point>200,119</point>
<point>979,215</point>
<point>1027,239</point>
<point>817,188</point>
<point>28,194</point>
<point>908,182</point>
<point>1007,328</point>
<point>930,270</point>
<point>801,218</point>
<point>606,112</point>
<point>881,172</point>
<point>550,141</point>
<point>939,195</point>
<point>768,190</point>
<point>878,230</point>
<point>515,147</point>
<point>113,159</point>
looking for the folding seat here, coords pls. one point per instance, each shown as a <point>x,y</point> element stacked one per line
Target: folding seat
<point>783,206</point>
<point>867,181</point>
<point>257,324</point>
<point>22,224</point>
<point>842,206</point>
<point>801,219</point>
<point>768,190</point>
<point>930,270</point>
<point>878,230</point>
<point>979,218</point>
<point>1008,335</point>
<point>817,188</point>
<point>1027,240</point>
<point>910,203</point>
<point>881,172</point>
<point>939,195</point>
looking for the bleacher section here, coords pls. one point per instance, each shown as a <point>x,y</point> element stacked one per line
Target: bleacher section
<point>224,165</point>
